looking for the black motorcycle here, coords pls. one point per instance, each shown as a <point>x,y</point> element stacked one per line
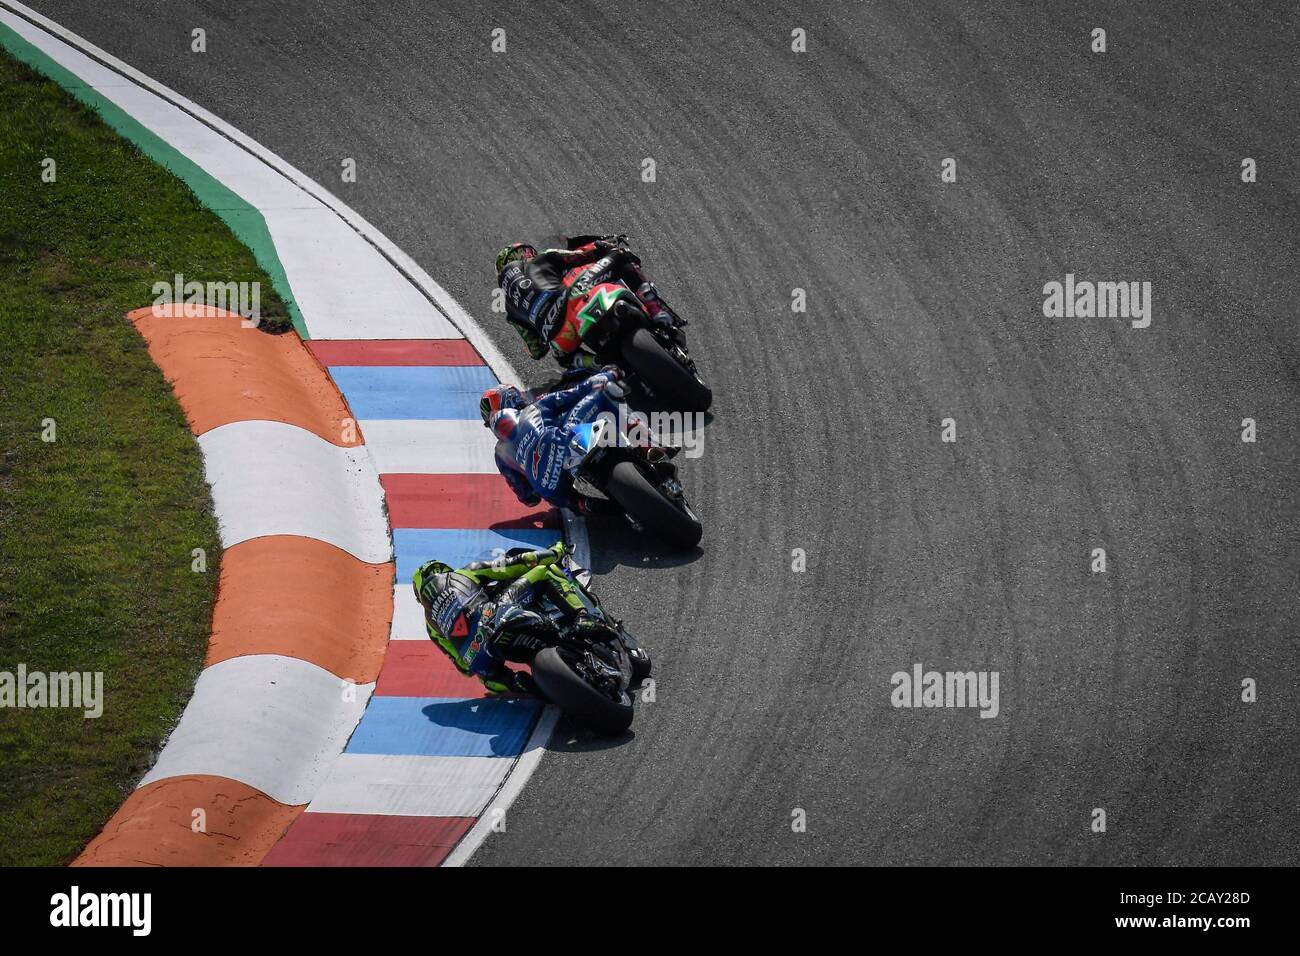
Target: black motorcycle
<point>587,670</point>
<point>604,463</point>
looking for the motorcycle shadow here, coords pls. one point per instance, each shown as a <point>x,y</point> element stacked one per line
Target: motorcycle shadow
<point>572,736</point>
<point>670,427</point>
<point>613,543</point>
<point>504,721</point>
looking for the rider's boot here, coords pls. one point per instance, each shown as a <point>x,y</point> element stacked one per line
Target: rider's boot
<point>656,308</point>
<point>660,461</point>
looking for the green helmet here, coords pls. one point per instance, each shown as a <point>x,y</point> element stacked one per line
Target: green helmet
<point>516,250</point>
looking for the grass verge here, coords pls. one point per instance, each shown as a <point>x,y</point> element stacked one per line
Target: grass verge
<point>97,527</point>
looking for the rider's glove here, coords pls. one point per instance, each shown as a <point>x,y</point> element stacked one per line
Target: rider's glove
<point>521,682</point>
<point>588,625</point>
<point>604,379</point>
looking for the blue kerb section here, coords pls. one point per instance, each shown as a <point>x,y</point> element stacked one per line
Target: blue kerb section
<point>444,727</point>
<point>421,392</point>
<point>459,546</point>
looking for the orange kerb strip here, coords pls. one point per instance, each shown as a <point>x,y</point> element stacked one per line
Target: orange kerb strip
<point>222,372</point>
<point>303,598</point>
<point>281,594</point>
<point>156,826</point>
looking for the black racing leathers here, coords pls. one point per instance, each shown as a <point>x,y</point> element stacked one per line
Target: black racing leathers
<point>535,291</point>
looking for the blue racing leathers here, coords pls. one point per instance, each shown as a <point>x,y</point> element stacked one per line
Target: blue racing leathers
<point>532,460</point>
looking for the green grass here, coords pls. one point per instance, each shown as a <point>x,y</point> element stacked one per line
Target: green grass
<point>97,527</point>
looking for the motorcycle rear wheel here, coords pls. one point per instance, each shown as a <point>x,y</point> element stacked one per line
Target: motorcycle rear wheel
<point>675,386</point>
<point>650,508</point>
<point>573,695</point>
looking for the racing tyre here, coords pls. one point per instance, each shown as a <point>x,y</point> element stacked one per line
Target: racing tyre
<point>652,510</point>
<point>573,695</point>
<point>675,386</point>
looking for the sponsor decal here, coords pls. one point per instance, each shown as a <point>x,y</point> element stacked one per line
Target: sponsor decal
<point>582,285</point>
<point>445,609</point>
<point>471,652</point>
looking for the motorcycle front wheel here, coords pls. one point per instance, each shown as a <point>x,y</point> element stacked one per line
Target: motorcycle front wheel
<point>564,688</point>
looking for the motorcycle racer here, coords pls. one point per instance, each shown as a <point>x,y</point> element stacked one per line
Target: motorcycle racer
<point>532,439</point>
<point>537,285</point>
<point>479,632</point>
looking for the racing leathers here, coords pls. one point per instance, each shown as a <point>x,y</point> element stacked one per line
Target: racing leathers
<point>480,634</point>
<point>532,459</point>
<point>537,290</point>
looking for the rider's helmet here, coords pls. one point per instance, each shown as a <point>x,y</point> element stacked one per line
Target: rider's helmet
<point>512,252</point>
<point>498,397</point>
<point>504,424</point>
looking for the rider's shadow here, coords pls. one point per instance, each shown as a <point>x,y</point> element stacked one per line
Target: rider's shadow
<point>481,727</point>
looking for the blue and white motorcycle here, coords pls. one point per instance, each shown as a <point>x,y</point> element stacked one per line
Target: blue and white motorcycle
<point>641,480</point>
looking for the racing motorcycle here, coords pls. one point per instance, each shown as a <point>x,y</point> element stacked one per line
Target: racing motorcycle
<point>607,320</point>
<point>587,672</point>
<point>605,464</point>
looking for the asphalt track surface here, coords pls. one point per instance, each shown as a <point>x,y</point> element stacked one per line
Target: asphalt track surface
<point>820,171</point>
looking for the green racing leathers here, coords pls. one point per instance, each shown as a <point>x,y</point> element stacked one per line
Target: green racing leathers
<point>464,619</point>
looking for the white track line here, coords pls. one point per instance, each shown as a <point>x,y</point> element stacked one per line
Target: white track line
<point>408,616</point>
<point>532,755</point>
<point>410,785</point>
<point>514,784</point>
